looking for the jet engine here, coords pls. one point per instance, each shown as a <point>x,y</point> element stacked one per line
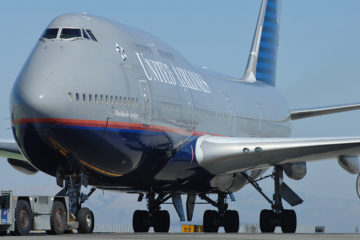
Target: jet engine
<point>349,163</point>
<point>295,171</point>
<point>229,182</point>
<point>23,166</point>
<point>234,182</point>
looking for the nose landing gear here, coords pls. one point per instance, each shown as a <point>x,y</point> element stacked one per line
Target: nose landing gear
<point>72,188</point>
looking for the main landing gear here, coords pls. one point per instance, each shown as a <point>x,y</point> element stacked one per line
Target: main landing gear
<point>212,220</point>
<point>84,216</point>
<point>154,217</point>
<point>278,216</point>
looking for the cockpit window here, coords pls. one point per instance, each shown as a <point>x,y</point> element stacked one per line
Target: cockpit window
<point>86,36</point>
<point>91,34</point>
<point>67,33</point>
<point>50,33</point>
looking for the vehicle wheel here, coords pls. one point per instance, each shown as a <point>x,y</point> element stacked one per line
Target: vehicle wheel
<point>3,233</point>
<point>57,219</point>
<point>23,218</point>
<point>141,221</point>
<point>288,221</point>
<point>210,221</point>
<point>86,221</point>
<point>267,221</point>
<point>231,221</point>
<point>161,221</point>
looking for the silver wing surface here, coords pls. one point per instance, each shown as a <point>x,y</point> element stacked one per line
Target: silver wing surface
<point>220,155</point>
<point>10,150</point>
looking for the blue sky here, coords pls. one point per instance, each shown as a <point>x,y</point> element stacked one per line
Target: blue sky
<point>318,64</point>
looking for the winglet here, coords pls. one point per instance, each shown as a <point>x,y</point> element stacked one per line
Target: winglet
<point>262,58</point>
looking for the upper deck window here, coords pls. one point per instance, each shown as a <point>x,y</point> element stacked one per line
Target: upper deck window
<point>91,34</point>
<point>50,33</point>
<point>67,33</point>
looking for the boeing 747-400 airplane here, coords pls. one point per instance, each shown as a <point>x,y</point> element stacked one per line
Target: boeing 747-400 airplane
<point>103,104</point>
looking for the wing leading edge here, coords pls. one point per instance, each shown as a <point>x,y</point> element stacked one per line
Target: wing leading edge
<point>220,155</point>
<point>312,112</point>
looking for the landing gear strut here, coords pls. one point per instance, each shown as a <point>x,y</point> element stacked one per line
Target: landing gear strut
<point>277,216</point>
<point>154,217</point>
<point>212,220</point>
<point>72,188</point>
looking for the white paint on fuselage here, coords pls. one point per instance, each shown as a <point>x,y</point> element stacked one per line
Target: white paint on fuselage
<point>159,71</point>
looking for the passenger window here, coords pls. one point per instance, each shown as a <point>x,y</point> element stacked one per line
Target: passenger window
<point>77,96</point>
<point>107,99</point>
<point>116,100</point>
<point>91,35</point>
<point>90,98</point>
<point>125,101</point>
<point>84,97</point>
<point>50,33</point>
<point>121,101</point>
<point>111,100</point>
<point>85,35</point>
<point>70,96</point>
<point>96,98</point>
<point>67,33</point>
<point>101,98</point>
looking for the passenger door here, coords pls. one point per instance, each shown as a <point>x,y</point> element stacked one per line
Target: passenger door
<point>145,102</point>
<point>260,120</point>
<point>189,109</point>
<point>230,114</point>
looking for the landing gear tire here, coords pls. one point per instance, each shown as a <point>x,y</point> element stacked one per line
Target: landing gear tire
<point>231,221</point>
<point>141,221</point>
<point>161,221</point>
<point>86,221</point>
<point>267,221</point>
<point>23,218</point>
<point>210,221</point>
<point>57,219</point>
<point>288,221</point>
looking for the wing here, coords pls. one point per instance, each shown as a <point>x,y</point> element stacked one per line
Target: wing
<point>10,150</point>
<point>312,112</point>
<point>220,155</point>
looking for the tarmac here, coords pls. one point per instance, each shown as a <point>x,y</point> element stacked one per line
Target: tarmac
<point>197,236</point>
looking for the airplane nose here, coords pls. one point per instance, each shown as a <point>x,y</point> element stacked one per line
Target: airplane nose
<point>32,96</point>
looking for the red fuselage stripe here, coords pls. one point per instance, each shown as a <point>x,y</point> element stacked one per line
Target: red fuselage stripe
<point>119,125</point>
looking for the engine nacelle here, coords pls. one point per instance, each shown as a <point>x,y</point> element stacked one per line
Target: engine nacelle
<point>234,182</point>
<point>295,171</point>
<point>228,182</point>
<point>349,163</point>
<point>22,166</point>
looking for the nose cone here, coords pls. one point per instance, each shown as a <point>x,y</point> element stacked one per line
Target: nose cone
<point>31,97</point>
<point>34,92</point>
